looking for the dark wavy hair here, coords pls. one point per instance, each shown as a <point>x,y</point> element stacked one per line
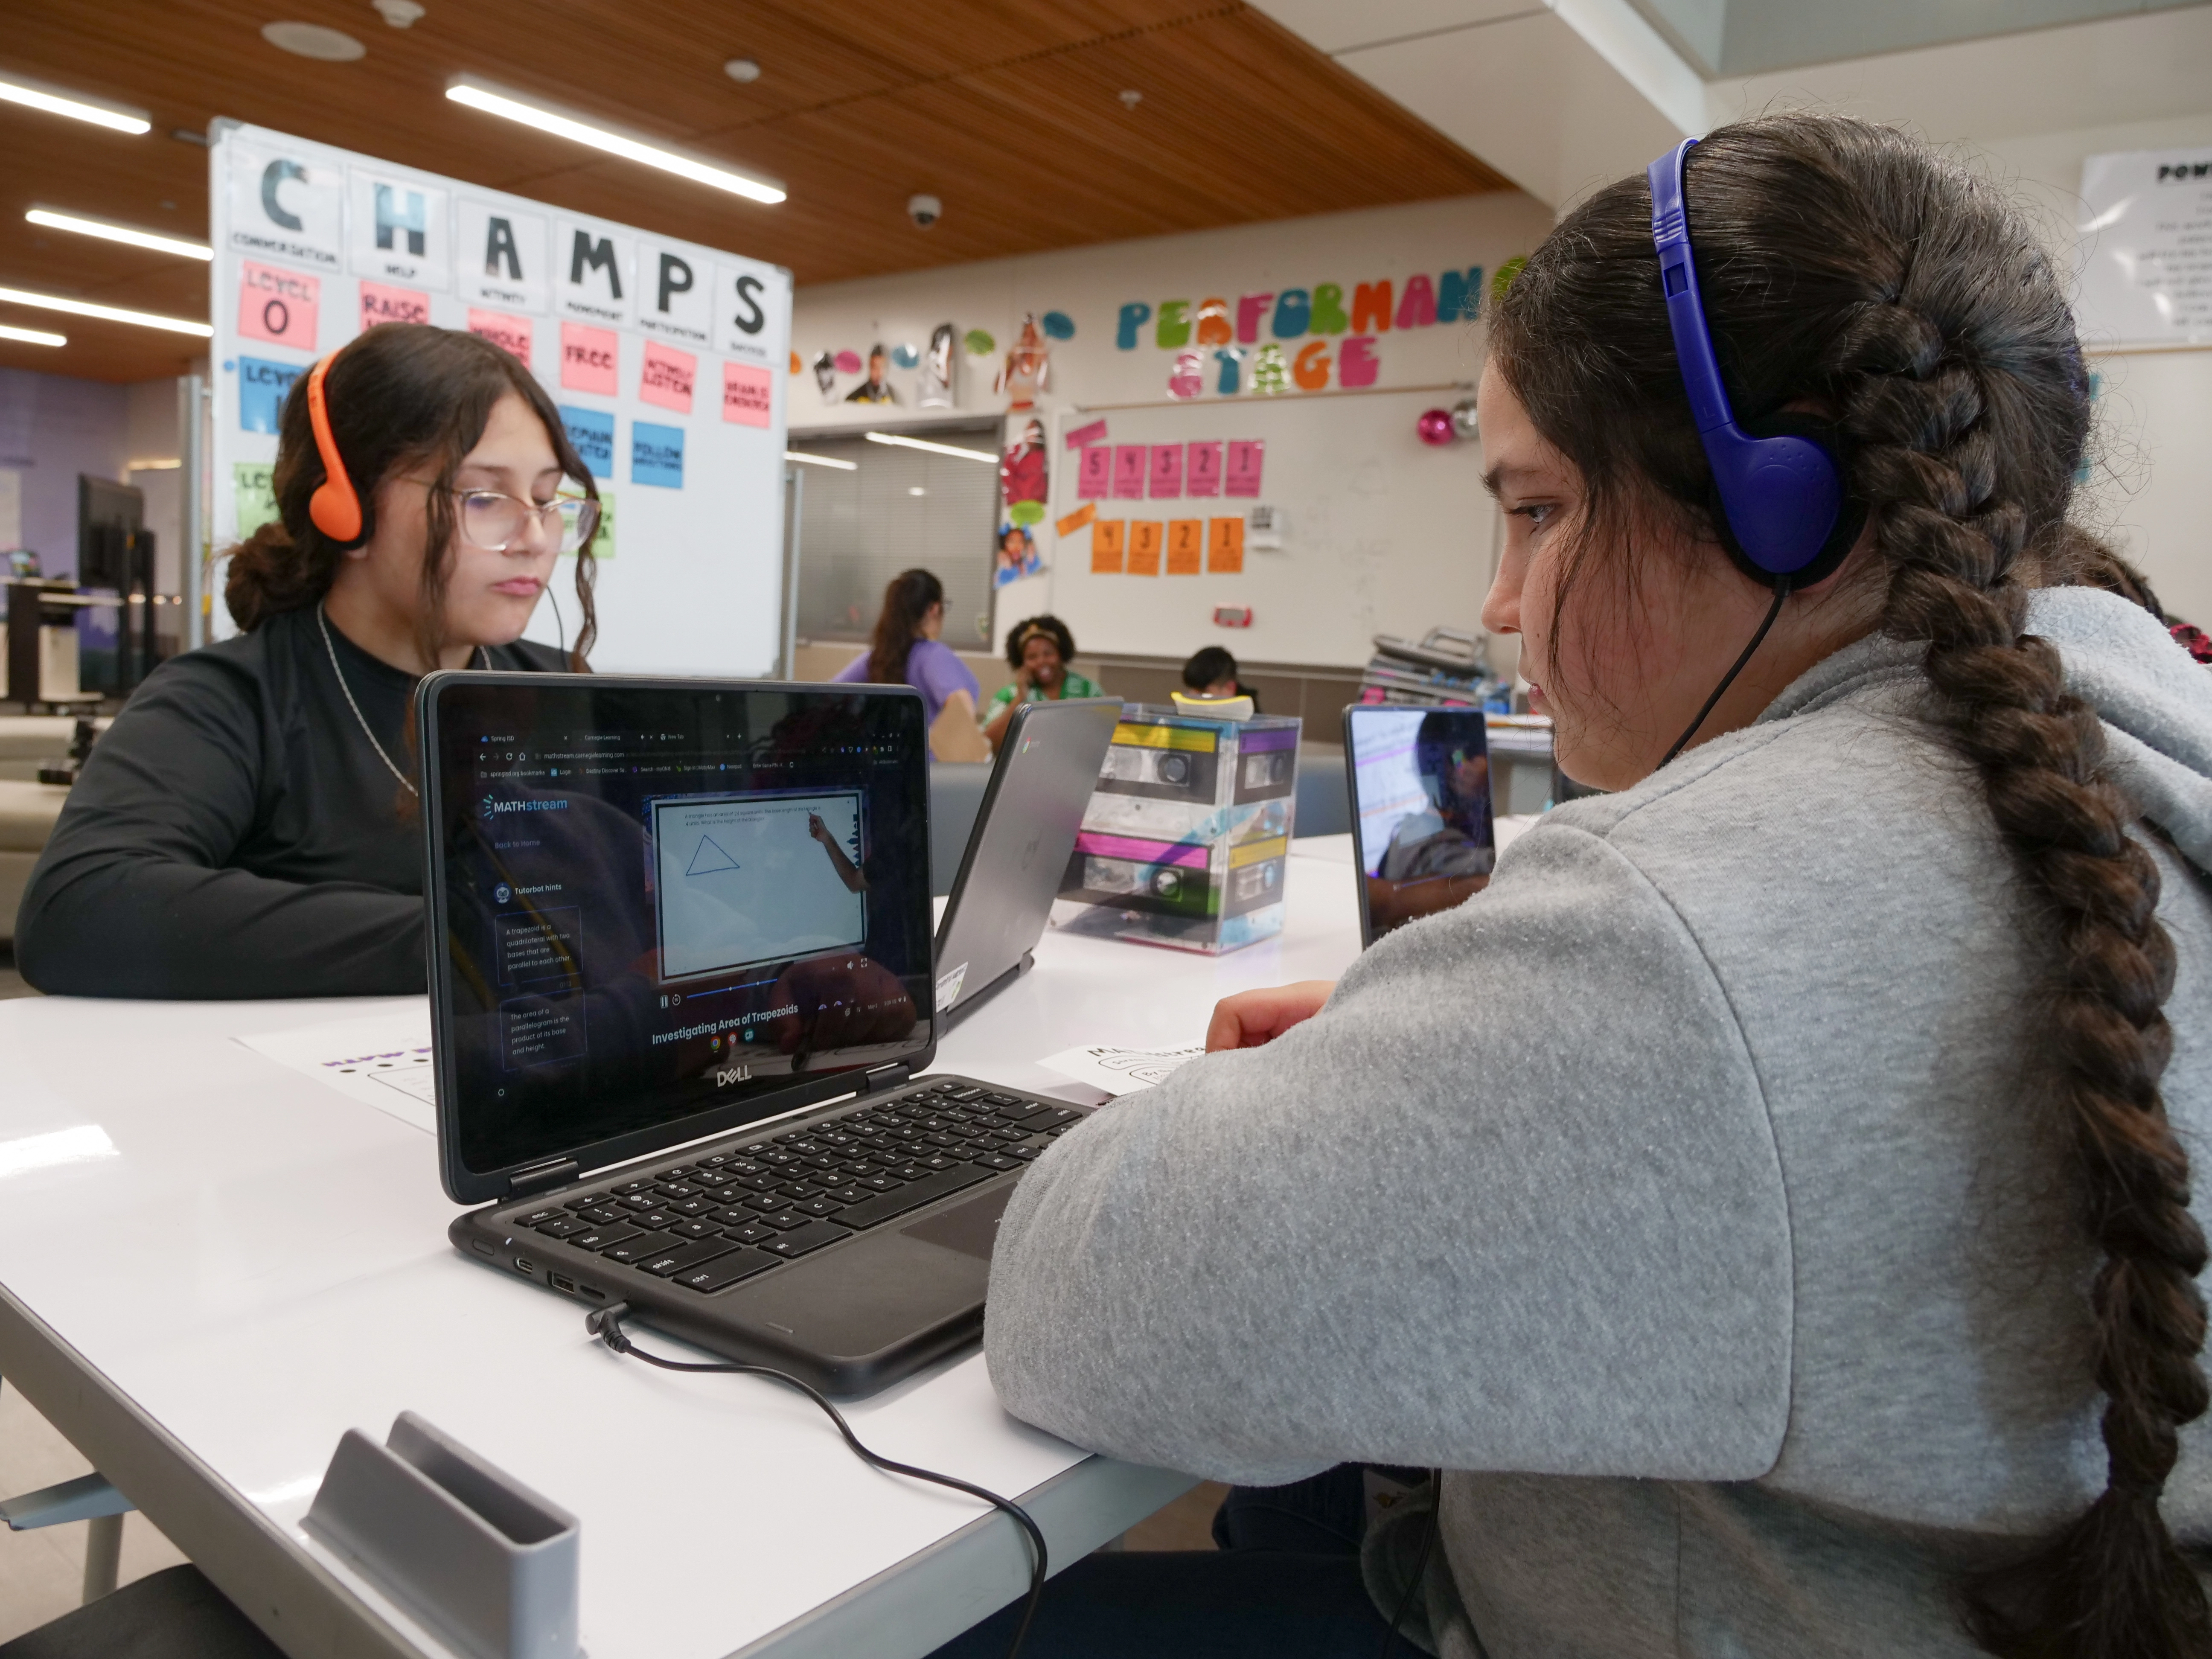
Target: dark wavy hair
<point>1847,268</point>
<point>1051,627</point>
<point>906,600</point>
<point>400,396</point>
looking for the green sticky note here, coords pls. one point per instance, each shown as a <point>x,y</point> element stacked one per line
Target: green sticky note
<point>254,484</point>
<point>603,539</point>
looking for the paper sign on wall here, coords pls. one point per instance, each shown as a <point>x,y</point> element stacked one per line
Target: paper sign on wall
<point>284,206</point>
<point>501,258</point>
<point>747,394</point>
<point>1224,546</point>
<point>1094,475</point>
<point>1106,547</point>
<point>668,377</point>
<point>278,306</point>
<point>256,484</point>
<point>2149,278</point>
<point>603,539</point>
<point>594,274</point>
<point>752,314</point>
<point>1130,464</point>
<point>1242,476</point>
<point>381,303</point>
<point>510,334</point>
<point>592,431</point>
<point>400,231</point>
<point>1166,469</point>
<point>262,385</point>
<point>1083,437</point>
<point>1186,546</point>
<point>1075,520</point>
<point>589,359</point>
<point>1202,472</point>
<point>1145,547</point>
<point>676,299</point>
<point>656,455</point>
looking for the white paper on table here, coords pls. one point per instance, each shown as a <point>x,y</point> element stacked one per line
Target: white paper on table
<point>1120,1071</point>
<point>384,1061</point>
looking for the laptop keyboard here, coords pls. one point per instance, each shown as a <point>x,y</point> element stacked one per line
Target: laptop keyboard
<point>726,1216</point>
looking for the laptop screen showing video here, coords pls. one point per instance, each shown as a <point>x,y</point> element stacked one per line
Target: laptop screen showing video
<point>1421,810</point>
<point>668,900</point>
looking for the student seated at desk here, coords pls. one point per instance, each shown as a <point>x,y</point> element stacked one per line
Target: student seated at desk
<point>248,826</point>
<point>907,649</point>
<point>1039,649</point>
<point>1768,1202</point>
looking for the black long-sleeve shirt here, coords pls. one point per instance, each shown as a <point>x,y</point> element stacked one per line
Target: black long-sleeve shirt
<point>233,834</point>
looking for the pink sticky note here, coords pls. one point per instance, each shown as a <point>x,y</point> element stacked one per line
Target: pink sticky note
<point>1202,472</point>
<point>1246,456</point>
<point>1095,475</point>
<point>510,334</point>
<point>588,358</point>
<point>1083,436</point>
<point>745,394</point>
<point>380,302</point>
<point>1166,469</point>
<point>277,306</point>
<point>668,377</point>
<point>1130,467</point>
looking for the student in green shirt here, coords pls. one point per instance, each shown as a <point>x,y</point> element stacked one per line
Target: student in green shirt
<point>1038,650</point>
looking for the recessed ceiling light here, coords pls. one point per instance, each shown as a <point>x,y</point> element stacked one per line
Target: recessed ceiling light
<point>1131,98</point>
<point>934,449</point>
<point>915,490</point>
<point>478,96</point>
<point>821,460</point>
<point>31,95</point>
<point>146,239</point>
<point>400,14</point>
<point>742,69</point>
<point>32,336</point>
<point>16,296</point>
<point>327,45</point>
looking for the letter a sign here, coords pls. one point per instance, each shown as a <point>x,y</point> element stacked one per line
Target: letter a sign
<point>500,260</point>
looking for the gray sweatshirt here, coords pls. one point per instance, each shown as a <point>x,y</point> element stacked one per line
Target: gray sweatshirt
<point>1692,1196</point>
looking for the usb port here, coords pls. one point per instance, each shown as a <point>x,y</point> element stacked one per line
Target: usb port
<point>562,1282</point>
<point>523,1264</point>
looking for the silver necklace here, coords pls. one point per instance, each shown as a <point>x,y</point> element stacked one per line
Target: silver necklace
<point>323,622</point>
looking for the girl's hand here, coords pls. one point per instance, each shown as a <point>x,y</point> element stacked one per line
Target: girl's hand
<point>1251,1019</point>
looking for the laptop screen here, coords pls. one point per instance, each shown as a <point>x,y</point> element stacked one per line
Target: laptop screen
<point>1421,810</point>
<point>666,900</point>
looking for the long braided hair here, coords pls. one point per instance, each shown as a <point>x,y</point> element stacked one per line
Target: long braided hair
<point>1846,268</point>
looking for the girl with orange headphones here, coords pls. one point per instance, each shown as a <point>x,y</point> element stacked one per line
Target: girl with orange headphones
<point>246,828</point>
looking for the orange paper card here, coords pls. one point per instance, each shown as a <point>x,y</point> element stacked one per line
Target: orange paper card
<point>1225,549</point>
<point>1106,547</point>
<point>1075,520</point>
<point>1145,547</point>
<point>1186,546</point>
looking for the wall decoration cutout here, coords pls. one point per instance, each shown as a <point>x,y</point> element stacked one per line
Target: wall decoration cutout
<point>848,362</point>
<point>1164,468</point>
<point>1094,473</point>
<point>905,355</point>
<point>1144,538</point>
<point>826,376</point>
<point>1202,468</point>
<point>1018,556</point>
<point>1213,326</point>
<point>1106,540</point>
<point>1224,546</point>
<point>1059,325</point>
<point>877,388</point>
<point>1271,373</point>
<point>1186,546</point>
<point>978,343</point>
<point>1022,475</point>
<point>1188,377</point>
<point>1027,370</point>
<point>938,369</point>
<point>797,367</point>
<point>1132,466</point>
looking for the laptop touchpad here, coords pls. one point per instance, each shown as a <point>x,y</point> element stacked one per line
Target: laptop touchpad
<point>971,1228</point>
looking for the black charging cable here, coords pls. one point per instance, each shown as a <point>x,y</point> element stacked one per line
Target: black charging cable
<point>605,1323</point>
<point>1420,1563</point>
<point>1781,592</point>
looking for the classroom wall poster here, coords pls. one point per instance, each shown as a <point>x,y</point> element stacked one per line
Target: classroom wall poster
<point>665,358</point>
<point>2147,231</point>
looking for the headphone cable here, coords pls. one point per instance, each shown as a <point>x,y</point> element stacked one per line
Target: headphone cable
<point>605,1323</point>
<point>1781,592</point>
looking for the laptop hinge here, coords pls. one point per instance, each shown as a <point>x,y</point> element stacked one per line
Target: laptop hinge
<point>536,1177</point>
<point>888,1077</point>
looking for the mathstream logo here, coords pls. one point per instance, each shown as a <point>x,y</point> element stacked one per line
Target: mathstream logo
<point>494,805</point>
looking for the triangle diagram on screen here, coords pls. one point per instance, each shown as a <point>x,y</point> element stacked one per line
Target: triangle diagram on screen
<point>708,859</point>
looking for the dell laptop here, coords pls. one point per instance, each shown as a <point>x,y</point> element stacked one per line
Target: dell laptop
<point>682,996</point>
<point>1423,835</point>
<point>1017,855</point>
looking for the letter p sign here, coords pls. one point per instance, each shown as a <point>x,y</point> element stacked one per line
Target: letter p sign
<point>675,279</point>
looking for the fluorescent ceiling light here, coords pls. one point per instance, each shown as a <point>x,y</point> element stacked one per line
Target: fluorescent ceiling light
<point>32,336</point>
<point>821,461</point>
<point>53,221</point>
<point>934,449</point>
<point>16,296</point>
<point>54,103</point>
<point>480,97</point>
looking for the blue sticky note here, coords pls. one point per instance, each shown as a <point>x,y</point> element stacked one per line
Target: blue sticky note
<point>261,388</point>
<point>592,431</point>
<point>656,454</point>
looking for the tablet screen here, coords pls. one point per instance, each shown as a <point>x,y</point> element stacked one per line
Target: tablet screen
<point>1421,810</point>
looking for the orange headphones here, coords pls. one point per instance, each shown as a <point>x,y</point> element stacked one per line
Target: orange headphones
<point>334,508</point>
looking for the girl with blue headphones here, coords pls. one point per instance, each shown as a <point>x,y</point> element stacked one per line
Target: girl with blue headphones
<point>1769,1203</point>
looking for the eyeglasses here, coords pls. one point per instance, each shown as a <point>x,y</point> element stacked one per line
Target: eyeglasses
<point>492,520</point>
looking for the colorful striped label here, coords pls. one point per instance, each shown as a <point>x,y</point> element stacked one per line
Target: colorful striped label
<point>1165,737</point>
<point>1190,855</point>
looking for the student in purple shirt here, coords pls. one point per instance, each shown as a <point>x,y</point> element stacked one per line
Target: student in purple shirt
<point>907,650</point>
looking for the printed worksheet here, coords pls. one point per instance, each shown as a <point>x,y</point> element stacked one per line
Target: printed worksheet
<point>1120,1071</point>
<point>382,1062</point>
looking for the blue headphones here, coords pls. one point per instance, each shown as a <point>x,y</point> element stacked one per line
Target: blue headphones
<point>1780,505</point>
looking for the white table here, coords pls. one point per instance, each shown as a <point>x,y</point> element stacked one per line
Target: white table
<point>233,1264</point>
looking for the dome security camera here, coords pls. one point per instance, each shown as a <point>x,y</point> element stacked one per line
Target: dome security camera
<point>924,211</point>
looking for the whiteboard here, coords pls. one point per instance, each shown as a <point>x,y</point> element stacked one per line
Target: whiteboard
<point>1383,534</point>
<point>668,361</point>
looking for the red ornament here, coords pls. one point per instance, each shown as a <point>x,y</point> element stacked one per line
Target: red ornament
<point>1435,426</point>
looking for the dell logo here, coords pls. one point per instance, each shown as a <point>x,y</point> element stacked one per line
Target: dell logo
<point>724,1079</point>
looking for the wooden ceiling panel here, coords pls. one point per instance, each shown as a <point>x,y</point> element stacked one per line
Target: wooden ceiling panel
<point>1009,111</point>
